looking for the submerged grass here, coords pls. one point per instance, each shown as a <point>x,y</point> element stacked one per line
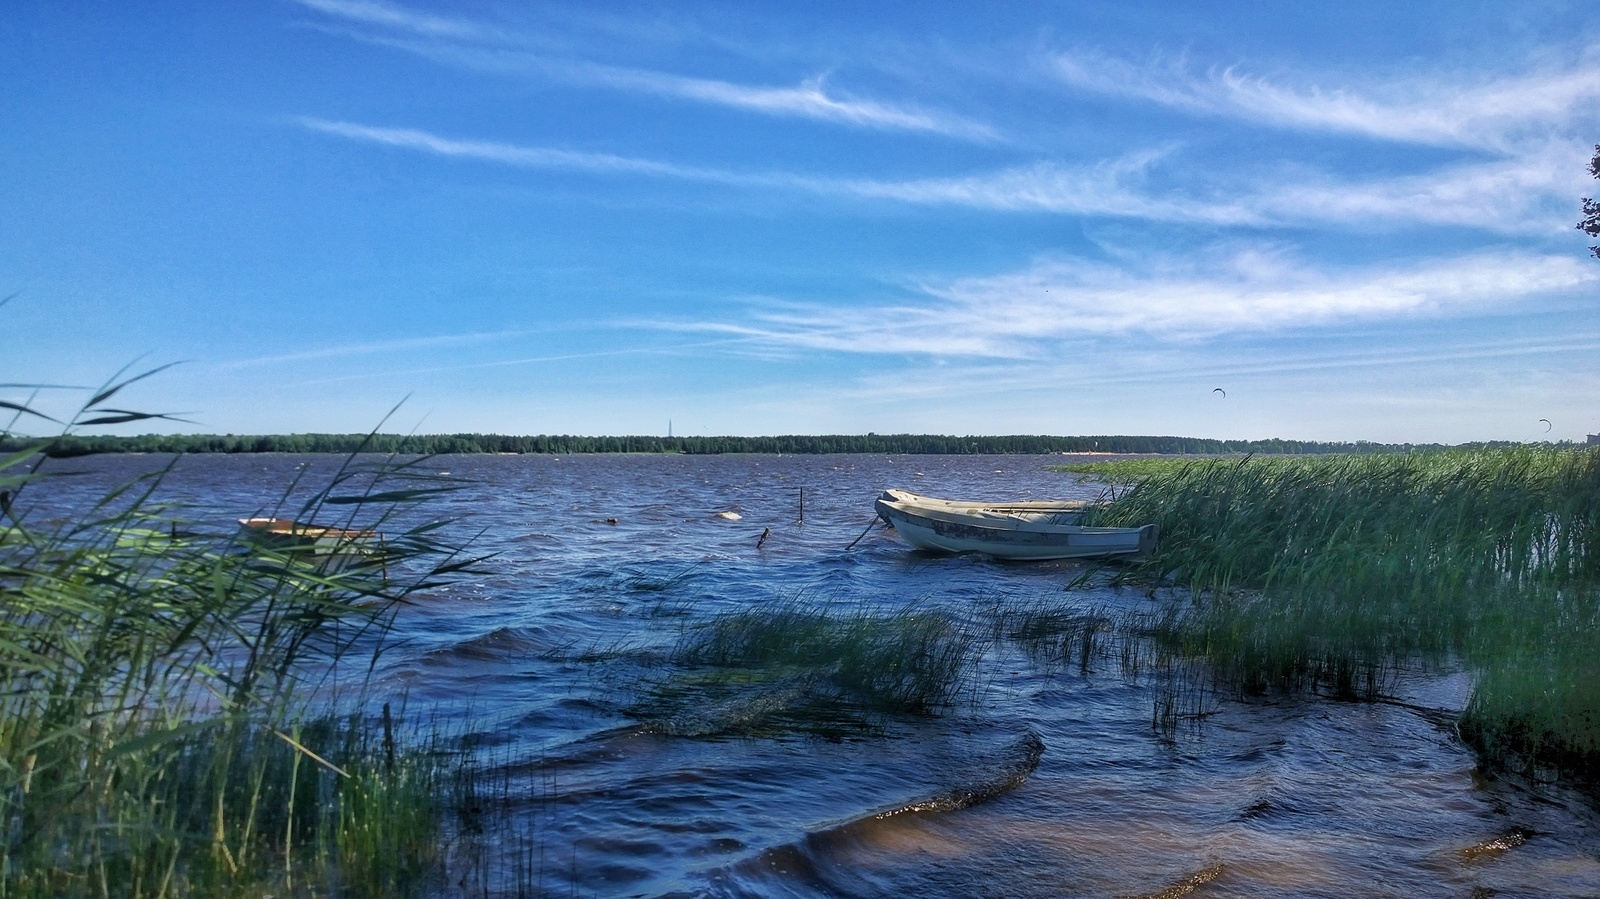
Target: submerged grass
<point>1062,634</point>
<point>792,665</point>
<point>1334,573</point>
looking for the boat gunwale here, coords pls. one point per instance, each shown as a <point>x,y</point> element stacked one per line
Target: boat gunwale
<point>1000,521</point>
<point>1015,506</point>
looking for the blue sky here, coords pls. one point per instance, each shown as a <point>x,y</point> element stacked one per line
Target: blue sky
<point>1071,218</point>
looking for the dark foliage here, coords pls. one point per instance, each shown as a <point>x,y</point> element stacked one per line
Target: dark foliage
<point>1591,209</point>
<point>77,445</point>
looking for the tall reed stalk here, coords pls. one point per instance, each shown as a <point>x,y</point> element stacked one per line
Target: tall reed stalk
<point>1335,572</point>
<point>157,738</point>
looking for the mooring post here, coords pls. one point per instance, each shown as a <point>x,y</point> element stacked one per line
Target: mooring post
<point>802,504</point>
<point>388,739</point>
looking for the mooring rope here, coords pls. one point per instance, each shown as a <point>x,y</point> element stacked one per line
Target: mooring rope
<point>863,534</point>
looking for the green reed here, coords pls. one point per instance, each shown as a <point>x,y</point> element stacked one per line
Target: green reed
<point>156,739</point>
<point>1336,572</point>
<point>790,664</point>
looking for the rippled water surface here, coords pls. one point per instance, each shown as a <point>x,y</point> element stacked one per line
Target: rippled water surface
<point>1041,779</point>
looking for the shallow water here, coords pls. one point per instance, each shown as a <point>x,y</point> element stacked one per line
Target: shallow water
<point>1041,779</point>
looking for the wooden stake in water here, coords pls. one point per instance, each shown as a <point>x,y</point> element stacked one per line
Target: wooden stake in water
<point>802,504</point>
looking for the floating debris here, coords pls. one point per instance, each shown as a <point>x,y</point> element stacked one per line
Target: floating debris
<point>1004,776</point>
<point>1498,846</point>
<point>728,516</point>
<point>1188,886</point>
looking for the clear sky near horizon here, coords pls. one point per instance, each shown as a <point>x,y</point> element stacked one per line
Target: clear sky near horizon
<point>1355,219</point>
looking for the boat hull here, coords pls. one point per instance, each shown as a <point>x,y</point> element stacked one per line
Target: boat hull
<point>328,550</point>
<point>1036,535</point>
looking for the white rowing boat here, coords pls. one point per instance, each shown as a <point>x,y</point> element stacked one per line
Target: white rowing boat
<point>1017,530</point>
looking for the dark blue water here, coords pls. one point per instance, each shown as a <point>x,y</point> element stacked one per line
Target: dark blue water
<point>1040,779</point>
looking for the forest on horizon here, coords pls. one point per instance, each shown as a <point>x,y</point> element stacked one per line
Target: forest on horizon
<point>81,445</point>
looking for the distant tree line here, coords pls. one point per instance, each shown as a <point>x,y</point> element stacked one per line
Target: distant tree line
<point>79,445</point>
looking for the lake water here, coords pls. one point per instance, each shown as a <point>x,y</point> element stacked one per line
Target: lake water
<point>1041,779</point>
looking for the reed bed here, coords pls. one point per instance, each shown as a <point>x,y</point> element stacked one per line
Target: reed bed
<point>157,732</point>
<point>1335,573</point>
<point>793,665</point>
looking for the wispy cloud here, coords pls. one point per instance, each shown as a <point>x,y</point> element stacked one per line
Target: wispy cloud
<point>1510,195</point>
<point>1099,189</point>
<point>1531,192</point>
<point>388,15</point>
<point>1036,311</point>
<point>518,155</point>
<point>984,377</point>
<point>1115,187</point>
<point>1445,108</point>
<point>473,45</point>
<point>809,99</point>
<point>674,349</point>
<point>404,344</point>
<point>1257,289</point>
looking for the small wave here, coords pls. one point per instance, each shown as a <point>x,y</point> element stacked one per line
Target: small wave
<point>496,644</point>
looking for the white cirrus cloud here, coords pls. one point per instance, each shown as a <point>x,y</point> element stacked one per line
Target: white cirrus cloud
<point>1115,187</point>
<point>375,347</point>
<point>1518,195</point>
<point>1097,189</point>
<point>1444,109</point>
<point>388,15</point>
<point>809,99</point>
<point>468,44</point>
<point>1531,192</point>
<point>1034,312</point>
<point>516,154</point>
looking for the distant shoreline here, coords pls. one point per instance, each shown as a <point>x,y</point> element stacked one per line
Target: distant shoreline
<point>544,444</point>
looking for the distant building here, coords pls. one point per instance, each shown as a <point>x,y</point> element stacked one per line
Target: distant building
<point>1594,438</point>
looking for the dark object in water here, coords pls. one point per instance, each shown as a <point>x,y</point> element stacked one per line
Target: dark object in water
<point>1498,846</point>
<point>1188,886</point>
<point>1007,775</point>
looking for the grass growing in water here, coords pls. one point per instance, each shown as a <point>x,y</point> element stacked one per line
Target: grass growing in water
<point>155,738</point>
<point>790,665</point>
<point>1334,572</point>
